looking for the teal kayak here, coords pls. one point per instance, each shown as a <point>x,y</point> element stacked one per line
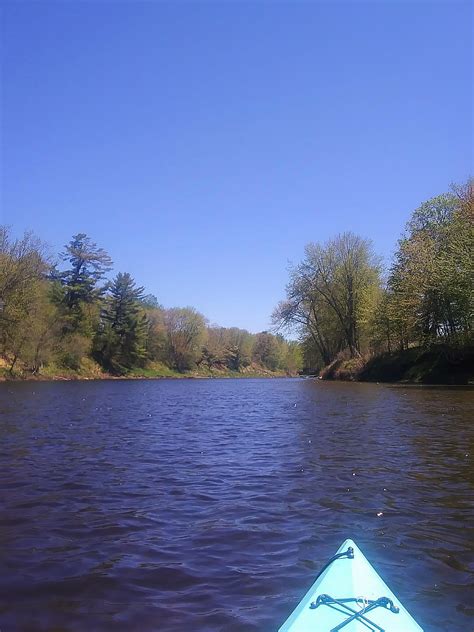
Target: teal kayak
<point>350,596</point>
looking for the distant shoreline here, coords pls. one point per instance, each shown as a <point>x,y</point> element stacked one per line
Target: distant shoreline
<point>40,377</point>
<point>440,364</point>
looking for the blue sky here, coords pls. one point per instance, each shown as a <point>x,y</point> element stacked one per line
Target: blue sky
<point>204,144</point>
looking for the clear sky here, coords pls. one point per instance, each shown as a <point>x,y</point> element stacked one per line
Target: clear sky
<point>204,144</point>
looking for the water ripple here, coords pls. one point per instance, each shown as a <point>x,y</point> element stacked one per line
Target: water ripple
<point>211,504</point>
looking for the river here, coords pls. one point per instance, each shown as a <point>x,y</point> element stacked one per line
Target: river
<point>209,505</point>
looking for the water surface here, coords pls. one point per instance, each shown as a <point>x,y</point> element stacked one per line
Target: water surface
<point>210,504</point>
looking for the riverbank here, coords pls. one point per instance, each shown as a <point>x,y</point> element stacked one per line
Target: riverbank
<point>439,364</point>
<point>92,371</point>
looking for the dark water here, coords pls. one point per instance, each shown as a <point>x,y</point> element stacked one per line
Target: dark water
<point>210,504</point>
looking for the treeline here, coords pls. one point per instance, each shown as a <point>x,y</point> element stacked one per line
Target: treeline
<point>67,316</point>
<point>343,303</point>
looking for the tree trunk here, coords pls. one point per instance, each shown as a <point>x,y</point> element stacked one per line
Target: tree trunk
<point>15,358</point>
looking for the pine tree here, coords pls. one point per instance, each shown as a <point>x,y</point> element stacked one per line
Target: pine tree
<point>80,283</point>
<point>120,344</point>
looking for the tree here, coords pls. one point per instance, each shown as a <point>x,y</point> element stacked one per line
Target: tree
<point>34,339</point>
<point>292,361</point>
<point>151,302</point>
<point>330,294</point>
<point>22,263</point>
<point>120,344</point>
<point>156,337</point>
<point>23,267</point>
<point>306,312</point>
<point>238,348</point>
<point>432,275</point>
<point>433,214</point>
<point>80,282</point>
<point>215,350</point>
<point>266,351</point>
<point>456,264</point>
<point>186,332</point>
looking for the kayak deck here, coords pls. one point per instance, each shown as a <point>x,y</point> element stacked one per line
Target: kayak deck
<point>355,584</point>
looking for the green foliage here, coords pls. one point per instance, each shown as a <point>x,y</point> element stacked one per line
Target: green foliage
<point>186,335</point>
<point>81,287</point>
<point>238,351</point>
<point>215,350</point>
<point>335,299</point>
<point>292,360</point>
<point>89,263</point>
<point>120,343</point>
<point>266,351</point>
<point>432,215</point>
<point>150,301</point>
<point>229,348</point>
<point>59,320</point>
<point>26,318</point>
<point>33,338</point>
<point>74,347</point>
<point>156,335</point>
<point>69,323</point>
<point>430,288</point>
<point>330,294</point>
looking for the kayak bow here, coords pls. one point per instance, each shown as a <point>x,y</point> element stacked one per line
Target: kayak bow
<point>349,596</point>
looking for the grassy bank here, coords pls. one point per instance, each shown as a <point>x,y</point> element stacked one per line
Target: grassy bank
<point>439,364</point>
<point>89,370</point>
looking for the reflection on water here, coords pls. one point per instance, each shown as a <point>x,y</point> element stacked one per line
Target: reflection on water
<point>210,504</point>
